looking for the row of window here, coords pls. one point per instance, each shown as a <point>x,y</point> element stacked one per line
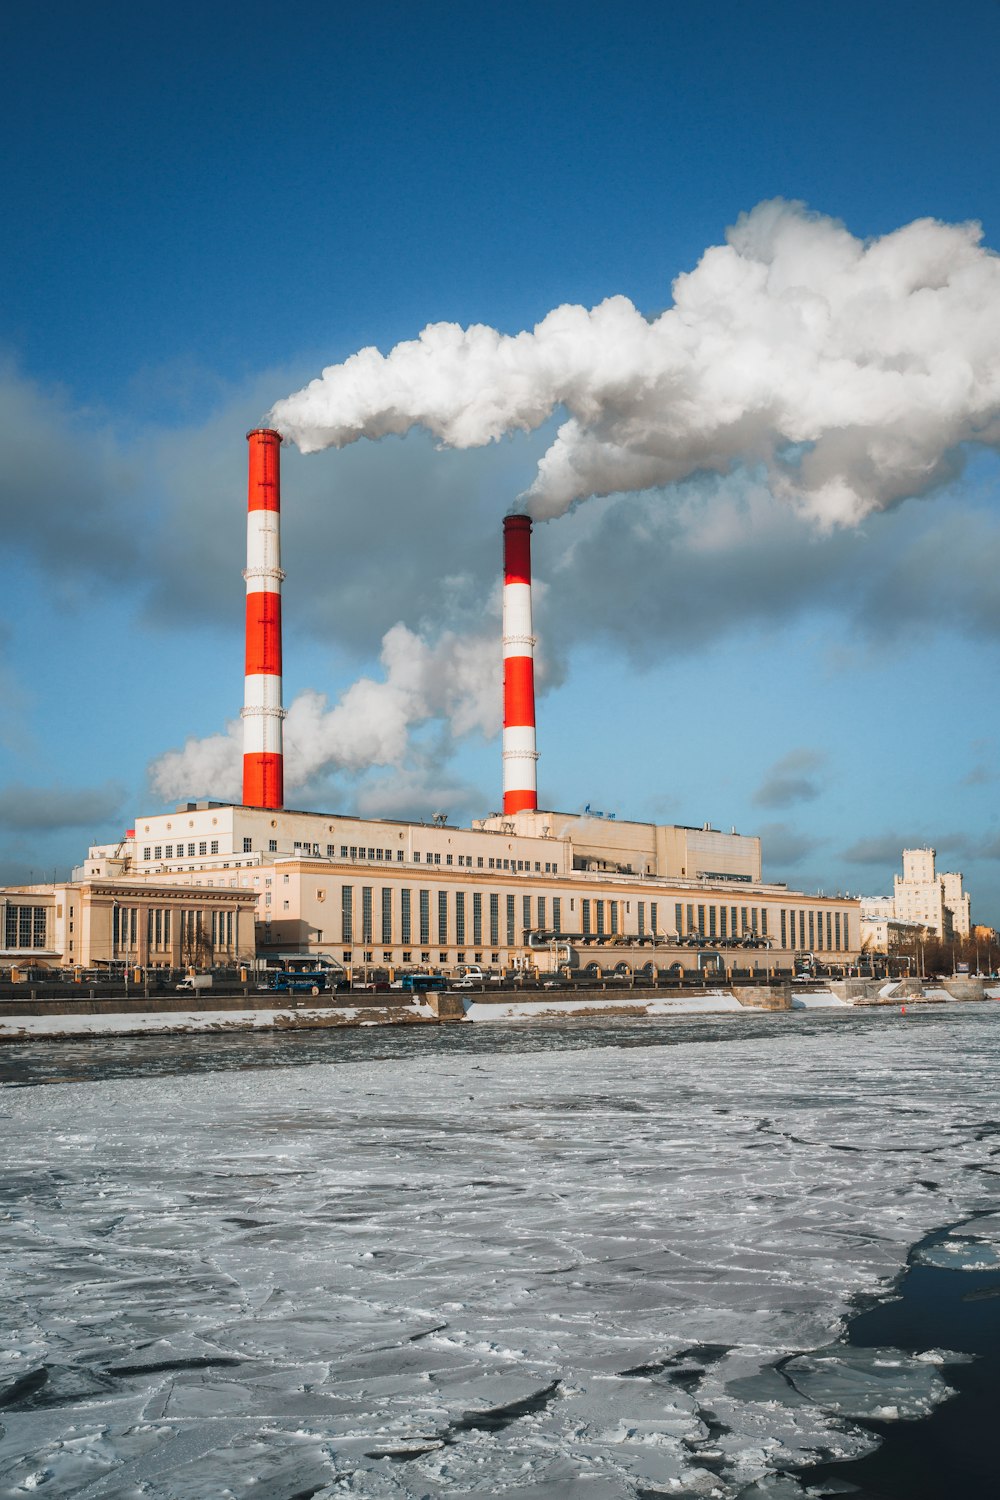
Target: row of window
<point>204,847</point>
<point>799,928</point>
<point>166,851</point>
<point>598,918</point>
<point>191,929</point>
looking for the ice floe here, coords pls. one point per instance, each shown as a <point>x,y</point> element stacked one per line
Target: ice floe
<point>593,1272</point>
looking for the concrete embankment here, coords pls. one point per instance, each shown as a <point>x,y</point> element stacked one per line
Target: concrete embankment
<point>31,1018</point>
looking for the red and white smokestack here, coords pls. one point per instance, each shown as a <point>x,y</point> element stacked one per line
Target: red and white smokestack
<point>519,754</point>
<point>263,764</point>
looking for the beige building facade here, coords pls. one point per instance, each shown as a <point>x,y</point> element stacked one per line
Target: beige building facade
<point>935,901</point>
<point>125,921</point>
<point>534,889</point>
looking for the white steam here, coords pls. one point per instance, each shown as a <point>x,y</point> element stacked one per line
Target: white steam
<point>854,371</point>
<point>455,680</point>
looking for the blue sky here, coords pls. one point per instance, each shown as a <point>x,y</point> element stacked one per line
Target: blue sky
<point>207,205</point>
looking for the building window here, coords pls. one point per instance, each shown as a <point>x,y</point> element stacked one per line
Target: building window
<point>460,918</point>
<point>652,917</point>
<point>387,914</point>
<point>599,913</point>
<point>442,923</point>
<point>479,862</point>
<point>541,911</point>
<point>829,930</point>
<point>448,859</point>
<point>510,922</point>
<point>24,926</point>
<point>346,913</point>
<point>343,851</point>
<point>272,846</point>
<point>784,929</point>
<point>214,847</point>
<point>712,921</point>
<point>723,913</point>
<point>526,913</point>
<point>494,918</point>
<point>557,914</point>
<point>404,916</point>
<point>146,853</point>
<point>585,910</point>
<point>190,851</point>
<point>366,913</point>
<point>425,919</point>
<point>170,851</point>
<point>477,917</point>
<point>763,921</point>
<point>157,851</point>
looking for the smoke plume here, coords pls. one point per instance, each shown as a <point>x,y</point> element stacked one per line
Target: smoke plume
<point>455,680</point>
<point>853,371</point>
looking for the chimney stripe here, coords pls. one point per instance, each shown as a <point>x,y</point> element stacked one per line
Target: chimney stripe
<point>263,782</point>
<point>519,692</point>
<point>263,634</point>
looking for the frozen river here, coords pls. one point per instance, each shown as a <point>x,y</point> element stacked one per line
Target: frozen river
<point>570,1261</point>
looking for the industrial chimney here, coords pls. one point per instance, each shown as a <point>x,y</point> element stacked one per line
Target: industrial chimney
<point>263,763</point>
<point>519,755</point>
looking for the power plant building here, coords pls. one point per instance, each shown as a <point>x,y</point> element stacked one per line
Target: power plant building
<point>521,887</point>
<point>511,891</point>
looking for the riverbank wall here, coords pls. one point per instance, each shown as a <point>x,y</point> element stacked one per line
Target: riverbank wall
<point>27,1019</point>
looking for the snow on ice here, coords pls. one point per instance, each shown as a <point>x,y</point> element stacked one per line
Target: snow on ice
<point>586,1273</point>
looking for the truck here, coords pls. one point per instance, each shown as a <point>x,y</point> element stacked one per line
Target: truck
<point>195,982</point>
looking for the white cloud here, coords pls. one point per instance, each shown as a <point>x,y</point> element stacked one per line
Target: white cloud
<point>854,371</point>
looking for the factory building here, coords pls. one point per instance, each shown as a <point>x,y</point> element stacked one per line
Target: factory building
<point>510,891</point>
<point>521,887</point>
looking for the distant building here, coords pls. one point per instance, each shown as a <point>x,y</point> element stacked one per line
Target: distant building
<point>923,902</point>
<point>936,901</point>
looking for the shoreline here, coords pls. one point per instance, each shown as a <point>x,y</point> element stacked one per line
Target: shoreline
<point>85,1018</point>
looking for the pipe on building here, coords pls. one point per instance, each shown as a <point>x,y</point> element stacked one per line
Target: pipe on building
<point>263,761</point>
<point>520,790</point>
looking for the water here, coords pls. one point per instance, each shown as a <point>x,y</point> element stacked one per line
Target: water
<point>41,1062</point>
<point>565,1259</point>
<point>954,1450</point>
